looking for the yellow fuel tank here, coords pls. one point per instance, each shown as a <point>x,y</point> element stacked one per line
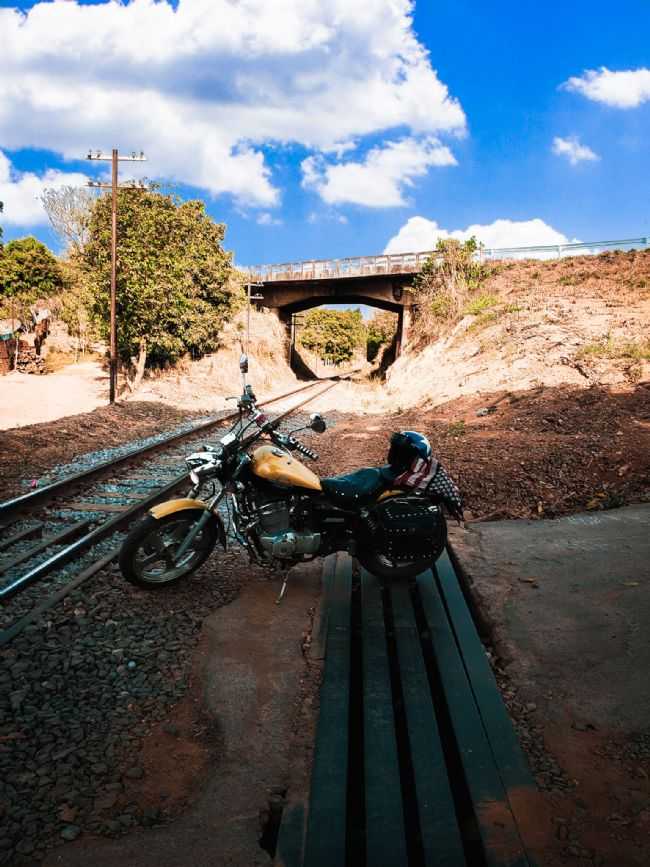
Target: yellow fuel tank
<point>274,465</point>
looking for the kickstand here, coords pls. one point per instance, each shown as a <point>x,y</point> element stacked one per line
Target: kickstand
<point>283,590</point>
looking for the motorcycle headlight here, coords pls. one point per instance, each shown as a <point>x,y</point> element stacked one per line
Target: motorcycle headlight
<point>194,476</point>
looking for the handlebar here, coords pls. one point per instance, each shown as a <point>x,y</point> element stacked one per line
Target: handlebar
<point>308,453</point>
<point>288,442</point>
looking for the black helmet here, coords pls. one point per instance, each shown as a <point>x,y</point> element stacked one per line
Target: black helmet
<point>405,447</point>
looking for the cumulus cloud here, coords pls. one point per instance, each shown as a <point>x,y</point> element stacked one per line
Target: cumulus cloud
<point>379,180</point>
<point>625,89</point>
<point>419,235</point>
<point>21,192</point>
<point>573,150</point>
<point>205,86</point>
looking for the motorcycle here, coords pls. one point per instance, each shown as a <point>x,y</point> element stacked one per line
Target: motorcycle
<point>251,488</point>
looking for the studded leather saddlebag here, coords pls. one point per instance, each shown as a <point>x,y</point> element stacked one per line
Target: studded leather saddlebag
<point>407,528</point>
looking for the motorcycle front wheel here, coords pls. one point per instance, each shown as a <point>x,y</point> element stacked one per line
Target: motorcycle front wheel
<point>147,557</point>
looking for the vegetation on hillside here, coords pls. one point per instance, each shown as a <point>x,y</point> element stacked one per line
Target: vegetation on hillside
<point>445,287</point>
<point>28,272</point>
<point>176,284</point>
<point>380,331</point>
<point>333,335</point>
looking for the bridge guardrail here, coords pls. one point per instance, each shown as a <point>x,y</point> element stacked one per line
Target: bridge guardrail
<point>406,263</point>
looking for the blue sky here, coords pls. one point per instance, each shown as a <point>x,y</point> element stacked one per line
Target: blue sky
<point>316,131</point>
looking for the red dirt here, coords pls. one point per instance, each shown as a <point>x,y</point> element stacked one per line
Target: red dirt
<point>545,453</point>
<point>176,753</point>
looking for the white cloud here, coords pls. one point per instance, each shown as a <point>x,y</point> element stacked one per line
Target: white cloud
<point>266,219</point>
<point>419,235</point>
<point>378,181</point>
<point>330,216</point>
<point>21,192</point>
<point>202,88</point>
<point>573,150</point>
<point>625,89</point>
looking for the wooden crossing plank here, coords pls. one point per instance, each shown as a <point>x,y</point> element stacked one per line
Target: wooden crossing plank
<point>511,762</point>
<point>385,833</point>
<point>318,648</point>
<point>499,833</point>
<point>290,838</point>
<point>441,840</point>
<point>325,843</point>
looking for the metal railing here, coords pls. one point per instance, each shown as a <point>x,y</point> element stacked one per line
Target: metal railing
<point>407,263</point>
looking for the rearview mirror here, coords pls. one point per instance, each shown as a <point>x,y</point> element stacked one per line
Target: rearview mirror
<point>243,362</point>
<point>317,423</point>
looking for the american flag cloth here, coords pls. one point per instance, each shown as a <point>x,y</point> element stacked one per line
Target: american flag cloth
<point>429,476</point>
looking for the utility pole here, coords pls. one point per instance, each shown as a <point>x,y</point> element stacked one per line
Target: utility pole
<point>115,159</point>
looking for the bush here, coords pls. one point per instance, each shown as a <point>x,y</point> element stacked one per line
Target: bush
<point>333,335</point>
<point>480,304</point>
<point>442,287</point>
<point>28,272</point>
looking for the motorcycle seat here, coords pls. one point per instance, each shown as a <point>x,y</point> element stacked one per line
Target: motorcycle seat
<point>358,488</point>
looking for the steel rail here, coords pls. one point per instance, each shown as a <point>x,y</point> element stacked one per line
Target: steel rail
<point>40,495</point>
<point>105,529</point>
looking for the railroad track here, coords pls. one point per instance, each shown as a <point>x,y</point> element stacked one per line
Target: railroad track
<point>416,760</point>
<point>80,519</point>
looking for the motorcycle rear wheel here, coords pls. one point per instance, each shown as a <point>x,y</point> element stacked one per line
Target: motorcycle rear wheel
<point>147,555</point>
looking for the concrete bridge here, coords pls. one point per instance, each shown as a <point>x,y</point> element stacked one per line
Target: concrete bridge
<point>377,281</point>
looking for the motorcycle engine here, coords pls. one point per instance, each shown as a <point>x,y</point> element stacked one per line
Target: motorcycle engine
<point>276,535</point>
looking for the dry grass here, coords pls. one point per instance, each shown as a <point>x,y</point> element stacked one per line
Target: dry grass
<point>609,347</point>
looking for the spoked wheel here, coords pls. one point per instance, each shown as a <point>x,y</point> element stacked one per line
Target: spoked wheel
<point>148,555</point>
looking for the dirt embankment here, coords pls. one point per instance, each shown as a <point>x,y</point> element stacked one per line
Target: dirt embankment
<point>189,387</point>
<point>580,321</point>
<point>206,383</point>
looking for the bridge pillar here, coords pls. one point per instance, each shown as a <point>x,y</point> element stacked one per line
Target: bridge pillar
<point>403,327</point>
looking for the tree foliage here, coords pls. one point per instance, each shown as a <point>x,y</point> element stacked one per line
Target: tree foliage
<point>28,271</point>
<point>175,283</point>
<point>333,335</point>
<point>380,332</point>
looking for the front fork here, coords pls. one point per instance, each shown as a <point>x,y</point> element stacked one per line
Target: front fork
<point>209,514</point>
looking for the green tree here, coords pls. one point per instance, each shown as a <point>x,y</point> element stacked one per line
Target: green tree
<point>175,286</point>
<point>28,271</point>
<point>380,332</point>
<point>333,334</point>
